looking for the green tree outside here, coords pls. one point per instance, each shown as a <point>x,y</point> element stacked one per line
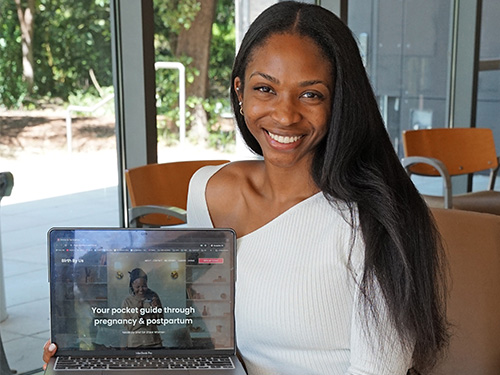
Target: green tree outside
<point>72,45</point>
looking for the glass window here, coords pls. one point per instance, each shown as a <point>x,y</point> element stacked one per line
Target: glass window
<point>406,46</point>
<point>488,90</point>
<point>194,52</point>
<point>57,137</point>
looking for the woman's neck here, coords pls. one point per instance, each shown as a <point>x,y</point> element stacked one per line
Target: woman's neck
<point>286,184</point>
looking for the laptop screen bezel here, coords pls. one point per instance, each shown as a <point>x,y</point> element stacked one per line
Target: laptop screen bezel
<point>144,352</point>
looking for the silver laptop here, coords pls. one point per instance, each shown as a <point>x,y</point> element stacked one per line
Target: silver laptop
<point>143,301</point>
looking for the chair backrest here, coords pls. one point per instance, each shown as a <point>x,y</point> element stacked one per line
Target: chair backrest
<point>462,150</point>
<point>163,184</point>
<point>472,243</point>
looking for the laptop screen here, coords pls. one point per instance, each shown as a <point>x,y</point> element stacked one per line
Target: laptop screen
<point>116,289</point>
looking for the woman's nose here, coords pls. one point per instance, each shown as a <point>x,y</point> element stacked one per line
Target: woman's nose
<point>285,111</point>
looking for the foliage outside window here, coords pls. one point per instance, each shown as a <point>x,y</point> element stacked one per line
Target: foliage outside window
<point>171,19</point>
<point>71,47</point>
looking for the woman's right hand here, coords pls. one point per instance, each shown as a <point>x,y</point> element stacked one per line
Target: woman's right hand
<point>49,349</point>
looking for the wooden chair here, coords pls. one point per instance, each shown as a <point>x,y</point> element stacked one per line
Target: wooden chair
<point>453,152</point>
<point>472,244</point>
<point>158,192</point>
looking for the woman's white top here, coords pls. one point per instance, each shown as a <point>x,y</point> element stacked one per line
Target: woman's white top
<point>297,307</point>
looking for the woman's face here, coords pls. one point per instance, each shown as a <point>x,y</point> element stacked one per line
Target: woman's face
<point>287,98</point>
<point>140,286</point>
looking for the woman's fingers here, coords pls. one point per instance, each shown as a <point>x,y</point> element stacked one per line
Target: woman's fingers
<point>49,350</point>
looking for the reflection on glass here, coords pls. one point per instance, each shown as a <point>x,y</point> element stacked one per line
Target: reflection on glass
<point>406,48</point>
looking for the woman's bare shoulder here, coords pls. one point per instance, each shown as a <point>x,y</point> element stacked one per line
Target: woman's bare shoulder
<point>227,190</point>
<point>233,176</point>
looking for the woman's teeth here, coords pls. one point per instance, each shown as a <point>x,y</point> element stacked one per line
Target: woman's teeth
<point>281,139</point>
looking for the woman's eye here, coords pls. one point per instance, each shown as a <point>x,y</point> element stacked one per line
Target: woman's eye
<point>312,95</point>
<point>264,89</point>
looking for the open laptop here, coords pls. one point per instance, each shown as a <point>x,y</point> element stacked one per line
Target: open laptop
<point>142,301</point>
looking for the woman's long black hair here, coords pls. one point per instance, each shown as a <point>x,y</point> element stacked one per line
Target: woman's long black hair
<point>356,164</point>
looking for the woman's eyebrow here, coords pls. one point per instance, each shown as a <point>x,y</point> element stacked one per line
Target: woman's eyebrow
<point>265,76</point>
<point>313,82</point>
<point>301,84</point>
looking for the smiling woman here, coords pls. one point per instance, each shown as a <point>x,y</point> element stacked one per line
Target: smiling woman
<point>286,96</point>
<point>335,275</point>
<point>339,262</point>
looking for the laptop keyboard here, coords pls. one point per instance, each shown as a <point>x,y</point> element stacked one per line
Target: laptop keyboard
<point>123,363</point>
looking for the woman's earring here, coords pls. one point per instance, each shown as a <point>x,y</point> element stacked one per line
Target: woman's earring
<point>240,103</point>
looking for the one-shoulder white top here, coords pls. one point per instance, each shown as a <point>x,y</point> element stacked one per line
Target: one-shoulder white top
<point>297,305</point>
